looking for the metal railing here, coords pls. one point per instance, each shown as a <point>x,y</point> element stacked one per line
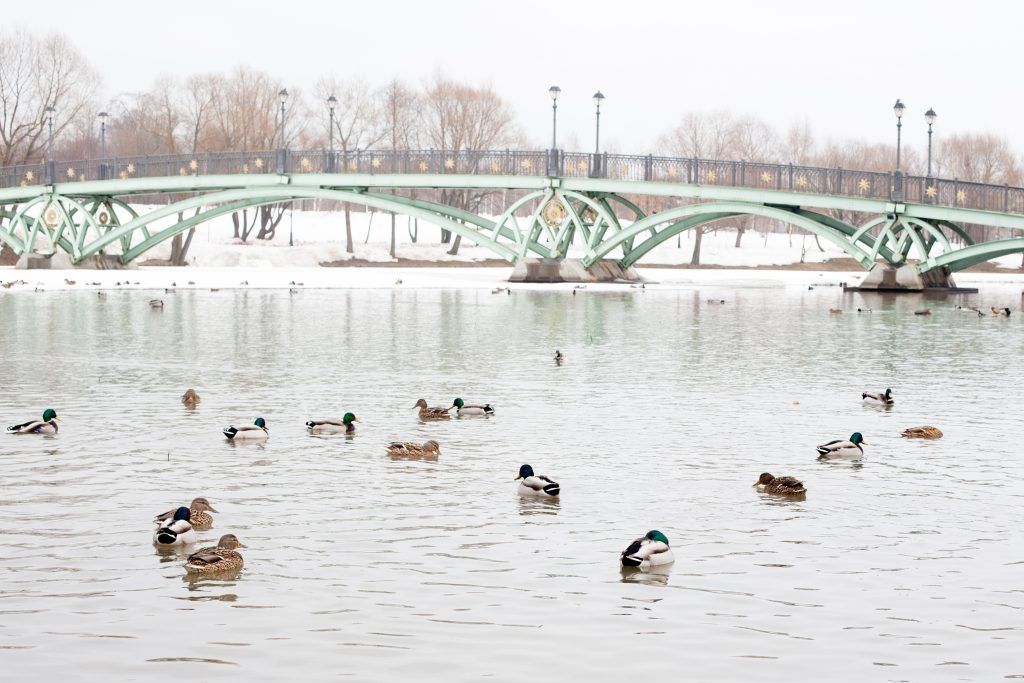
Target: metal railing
<point>789,177</point>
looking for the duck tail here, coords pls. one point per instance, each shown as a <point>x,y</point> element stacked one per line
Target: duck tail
<point>166,536</point>
<point>552,489</point>
<point>822,450</point>
<point>230,432</point>
<point>310,424</point>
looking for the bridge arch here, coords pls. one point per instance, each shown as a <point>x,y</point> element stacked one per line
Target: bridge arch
<point>690,216</point>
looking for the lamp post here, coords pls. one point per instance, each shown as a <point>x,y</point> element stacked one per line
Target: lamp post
<point>930,117</point>
<point>281,161</point>
<point>103,144</point>
<point>898,109</point>
<point>50,171</point>
<point>332,102</point>
<point>554,91</point>
<point>598,99</point>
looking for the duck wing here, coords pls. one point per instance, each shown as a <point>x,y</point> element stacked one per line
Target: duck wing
<point>326,421</point>
<point>24,426</point>
<point>831,446</point>
<point>789,482</point>
<point>163,517</point>
<point>205,556</point>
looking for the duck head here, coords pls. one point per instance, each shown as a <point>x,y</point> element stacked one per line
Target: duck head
<point>764,479</point>
<point>888,395</point>
<point>182,513</point>
<point>50,414</point>
<point>432,446</point>
<point>655,535</point>
<point>349,418</point>
<point>524,472</point>
<point>458,403</point>
<point>261,423</point>
<point>202,505</point>
<point>230,542</point>
<point>422,403</point>
<point>857,438</point>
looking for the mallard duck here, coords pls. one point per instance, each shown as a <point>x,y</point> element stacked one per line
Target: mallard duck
<point>924,432</point>
<point>462,408</point>
<point>332,426</point>
<point>199,515</point>
<point>650,550</point>
<point>834,450</point>
<point>428,450</point>
<point>969,309</point>
<point>783,486</point>
<point>559,358</point>
<point>222,558</point>
<point>923,311</point>
<point>1004,312</point>
<point>257,431</point>
<point>884,398</point>
<point>835,311</point>
<point>428,413</point>
<point>178,531</point>
<point>531,484</point>
<point>48,425</point>
<point>156,303</point>
<point>190,398</point>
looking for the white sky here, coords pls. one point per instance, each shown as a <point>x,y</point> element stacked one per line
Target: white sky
<point>840,68</point>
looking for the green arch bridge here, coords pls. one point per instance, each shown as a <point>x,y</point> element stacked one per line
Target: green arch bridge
<point>551,199</point>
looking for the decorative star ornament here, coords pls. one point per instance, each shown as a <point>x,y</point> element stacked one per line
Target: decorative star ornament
<point>424,166</point>
<point>863,185</point>
<point>931,191</point>
<point>711,176</point>
<point>766,177</point>
<point>801,181</point>
<point>193,164</point>
<point>375,162</point>
<point>961,196</point>
<point>449,163</point>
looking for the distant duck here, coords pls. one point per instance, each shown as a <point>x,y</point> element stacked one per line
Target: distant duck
<point>178,531</point>
<point>924,432</point>
<point>835,311</point>
<point>782,486</point>
<point>331,426</point>
<point>156,303</point>
<point>716,301</point>
<point>559,358</point>
<point>864,310</point>
<point>923,311</point>
<point>969,310</point>
<point>48,425</point>
<point>217,560</point>
<point>199,515</point>
<point>398,281</point>
<point>837,450</point>
<point>1004,312</point>
<point>650,550</point>
<point>429,450</point>
<point>257,431</point>
<point>69,282</point>
<point>463,408</point>
<point>428,413</point>
<point>190,399</point>
<point>884,398</point>
<point>531,484</point>
<point>497,290</point>
<point>244,283</point>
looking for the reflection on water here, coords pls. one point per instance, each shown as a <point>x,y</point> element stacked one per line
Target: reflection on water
<point>664,412</point>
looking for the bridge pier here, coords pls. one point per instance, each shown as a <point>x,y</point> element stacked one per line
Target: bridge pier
<point>906,278</point>
<point>571,270</point>
<point>61,261</point>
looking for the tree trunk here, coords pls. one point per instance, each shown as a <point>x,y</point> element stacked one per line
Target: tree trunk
<point>820,248</point>
<point>348,229</point>
<point>269,222</point>
<point>695,259</point>
<point>455,245</point>
<point>179,248</point>
<point>234,222</point>
<point>739,235</point>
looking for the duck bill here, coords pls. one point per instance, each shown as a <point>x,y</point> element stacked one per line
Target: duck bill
<point>517,479</point>
<point>214,510</point>
<point>357,420</point>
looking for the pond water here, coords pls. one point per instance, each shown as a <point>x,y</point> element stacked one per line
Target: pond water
<point>906,566</point>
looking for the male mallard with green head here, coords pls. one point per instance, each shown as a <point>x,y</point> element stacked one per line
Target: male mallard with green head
<point>837,450</point>
<point>428,413</point>
<point>257,431</point>
<point>199,511</point>
<point>649,550</point>
<point>781,486</point>
<point>531,484</point>
<point>462,408</point>
<point>221,559</point>
<point>48,425</point>
<point>177,531</point>
<point>882,399</point>
<point>331,426</point>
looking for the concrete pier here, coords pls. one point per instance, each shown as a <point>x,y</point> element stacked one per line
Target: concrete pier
<point>906,278</point>
<point>571,270</point>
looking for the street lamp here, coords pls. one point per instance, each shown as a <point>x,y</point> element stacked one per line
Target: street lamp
<point>281,161</point>
<point>898,109</point>
<point>554,91</point>
<point>598,99</point>
<point>930,117</point>
<point>50,173</point>
<point>103,144</point>
<point>332,102</point>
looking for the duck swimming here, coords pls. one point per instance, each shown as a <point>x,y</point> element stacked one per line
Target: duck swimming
<point>199,515</point>
<point>884,398</point>
<point>531,484</point>
<point>781,486</point>
<point>190,399</point>
<point>428,450</point>
<point>463,408</point>
<point>176,532</point>
<point>835,450</point>
<point>924,432</point>
<point>257,431</point>
<point>650,550</point>
<point>222,558</point>
<point>428,413</point>
<point>48,425</point>
<point>332,426</point>
<point>1004,312</point>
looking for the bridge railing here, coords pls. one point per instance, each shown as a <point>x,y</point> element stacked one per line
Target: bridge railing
<point>788,177</point>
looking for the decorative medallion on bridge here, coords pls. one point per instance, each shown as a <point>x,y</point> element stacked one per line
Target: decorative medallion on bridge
<point>766,177</point>
<point>71,173</point>
<point>527,164</point>
<point>863,185</point>
<point>258,163</point>
<point>672,171</point>
<point>711,176</point>
<point>961,196</point>
<point>29,176</point>
<point>182,171</point>
<point>103,217</point>
<point>375,162</point>
<point>449,163</point>
<point>583,167</point>
<point>801,181</point>
<point>553,213</point>
<point>931,191</point>
<point>495,168</point>
<point>305,163</point>
<point>131,169</point>
<point>51,216</point>
<point>424,166</point>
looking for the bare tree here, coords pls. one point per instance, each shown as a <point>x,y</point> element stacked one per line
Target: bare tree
<point>399,110</point>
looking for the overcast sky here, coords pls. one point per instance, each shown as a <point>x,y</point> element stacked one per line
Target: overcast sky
<point>839,66</point>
